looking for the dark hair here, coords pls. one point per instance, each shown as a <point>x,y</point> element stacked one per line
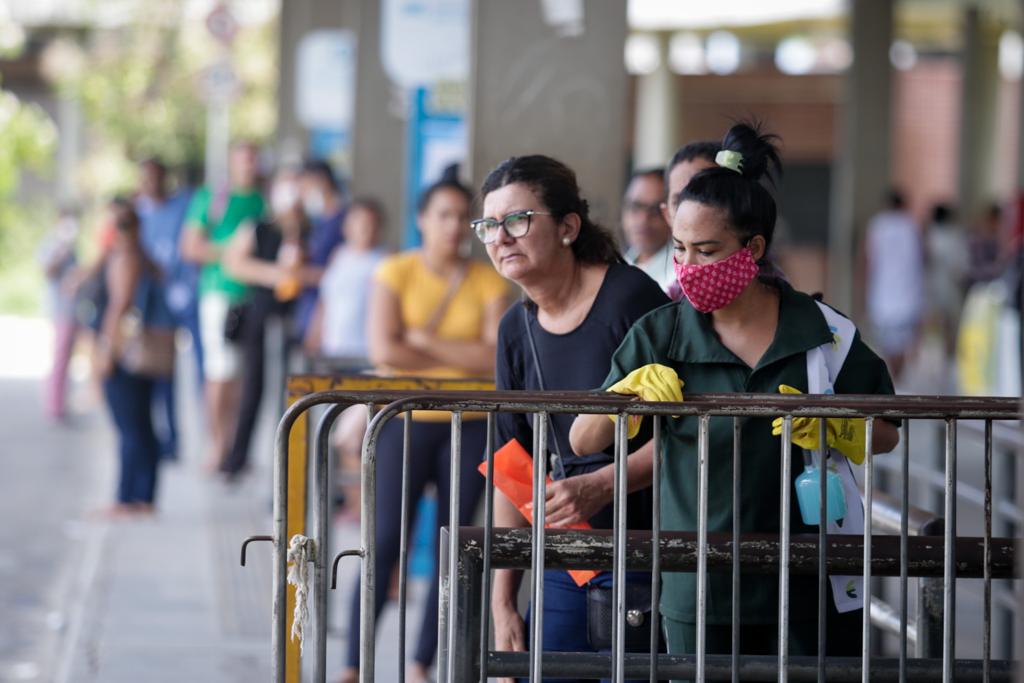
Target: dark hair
<point>702,149</point>
<point>655,173</point>
<point>369,204</point>
<point>449,181</point>
<point>941,213</point>
<point>555,186</point>
<point>125,217</point>
<point>322,170</point>
<point>748,204</point>
<point>894,199</point>
<point>156,163</point>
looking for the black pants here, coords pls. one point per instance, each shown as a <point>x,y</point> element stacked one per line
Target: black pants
<point>251,344</point>
<point>429,461</point>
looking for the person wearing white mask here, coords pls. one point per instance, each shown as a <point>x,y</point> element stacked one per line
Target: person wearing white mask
<point>270,257</point>
<point>324,203</point>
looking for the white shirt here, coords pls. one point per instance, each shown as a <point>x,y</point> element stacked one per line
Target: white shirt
<point>895,269</point>
<point>659,267</point>
<point>344,294</point>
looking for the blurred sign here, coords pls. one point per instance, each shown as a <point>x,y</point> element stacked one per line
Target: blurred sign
<point>425,41</point>
<point>325,80</point>
<point>437,138</point>
<point>218,83</point>
<point>221,24</point>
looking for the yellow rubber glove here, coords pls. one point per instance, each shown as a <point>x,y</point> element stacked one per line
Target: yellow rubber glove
<point>845,434</point>
<point>651,382</point>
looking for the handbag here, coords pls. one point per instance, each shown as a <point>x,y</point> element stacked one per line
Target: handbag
<point>601,616</point>
<point>147,336</point>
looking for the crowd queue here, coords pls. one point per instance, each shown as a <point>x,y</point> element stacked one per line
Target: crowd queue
<point>693,303</point>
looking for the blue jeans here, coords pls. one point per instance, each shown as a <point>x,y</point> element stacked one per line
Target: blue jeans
<point>130,398</point>
<point>565,614</point>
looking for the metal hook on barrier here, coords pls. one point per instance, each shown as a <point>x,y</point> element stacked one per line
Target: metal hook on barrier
<point>249,540</point>
<point>355,552</point>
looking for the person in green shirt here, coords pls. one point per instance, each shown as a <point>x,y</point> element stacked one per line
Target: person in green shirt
<point>740,328</point>
<point>212,219</point>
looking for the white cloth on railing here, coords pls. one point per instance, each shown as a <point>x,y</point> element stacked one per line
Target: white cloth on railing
<point>823,366</point>
<point>300,554</point>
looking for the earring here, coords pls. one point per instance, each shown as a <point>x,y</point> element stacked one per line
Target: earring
<point>566,241</point>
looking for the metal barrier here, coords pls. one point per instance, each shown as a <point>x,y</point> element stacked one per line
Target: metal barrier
<point>470,555</point>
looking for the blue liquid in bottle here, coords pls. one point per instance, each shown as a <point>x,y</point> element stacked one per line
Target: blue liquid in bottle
<point>808,495</point>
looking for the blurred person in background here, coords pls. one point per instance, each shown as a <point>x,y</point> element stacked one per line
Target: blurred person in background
<point>269,257</point>
<point>324,204</point>
<point>433,313</point>
<point>57,256</point>
<point>338,326</point>
<point>647,233</point>
<point>130,280</point>
<point>987,258</point>
<point>947,261</point>
<point>581,301</point>
<point>162,216</point>
<point>894,266</point>
<point>688,161</point>
<point>214,215</point>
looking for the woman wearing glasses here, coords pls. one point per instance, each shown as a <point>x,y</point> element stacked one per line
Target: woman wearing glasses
<point>581,299</point>
<point>433,313</point>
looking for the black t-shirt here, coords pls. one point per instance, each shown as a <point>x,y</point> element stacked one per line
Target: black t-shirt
<point>268,242</point>
<point>576,361</point>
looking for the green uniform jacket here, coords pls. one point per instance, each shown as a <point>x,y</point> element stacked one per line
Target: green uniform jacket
<point>240,207</point>
<point>678,336</point>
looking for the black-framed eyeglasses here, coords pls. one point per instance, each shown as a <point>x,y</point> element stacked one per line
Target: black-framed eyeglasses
<point>516,225</point>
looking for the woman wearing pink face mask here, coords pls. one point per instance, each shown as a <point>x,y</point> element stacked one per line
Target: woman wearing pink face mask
<point>739,328</point>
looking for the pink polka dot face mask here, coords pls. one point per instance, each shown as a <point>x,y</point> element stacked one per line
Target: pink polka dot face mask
<point>715,285</point>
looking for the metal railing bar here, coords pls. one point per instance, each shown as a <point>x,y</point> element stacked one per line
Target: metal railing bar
<point>785,485</point>
<point>822,529</point>
<point>619,550</point>
<point>655,548</point>
<point>949,579</point>
<point>485,607</point>
<point>454,524</point>
<point>904,545</point>
<point>737,492</point>
<point>752,667</point>
<point>702,542</point>
<point>986,646</point>
<point>869,490</point>
<point>759,552</point>
<point>321,525</point>
<point>540,433</point>
<point>403,545</point>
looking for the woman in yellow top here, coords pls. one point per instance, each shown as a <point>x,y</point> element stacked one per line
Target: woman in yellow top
<point>433,313</point>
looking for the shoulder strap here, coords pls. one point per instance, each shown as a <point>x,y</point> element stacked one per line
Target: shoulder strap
<point>557,467</point>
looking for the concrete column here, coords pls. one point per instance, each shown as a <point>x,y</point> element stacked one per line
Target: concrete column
<point>534,90</point>
<point>978,97</point>
<point>378,158</point>
<point>657,112</point>
<point>861,170</point>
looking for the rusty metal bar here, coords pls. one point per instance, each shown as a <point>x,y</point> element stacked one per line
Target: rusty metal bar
<point>759,552</point>
<point>986,647</point>
<point>321,525</point>
<point>904,545</point>
<point>822,532</point>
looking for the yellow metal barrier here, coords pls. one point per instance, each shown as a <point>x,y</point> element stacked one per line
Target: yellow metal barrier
<point>298,386</point>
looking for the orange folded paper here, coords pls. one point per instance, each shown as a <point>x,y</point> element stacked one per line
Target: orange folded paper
<point>513,476</point>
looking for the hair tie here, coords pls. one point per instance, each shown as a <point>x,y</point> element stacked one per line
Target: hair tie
<point>727,158</point>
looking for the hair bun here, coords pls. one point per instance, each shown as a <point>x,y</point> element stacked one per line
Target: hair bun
<point>760,150</point>
<point>450,174</point>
